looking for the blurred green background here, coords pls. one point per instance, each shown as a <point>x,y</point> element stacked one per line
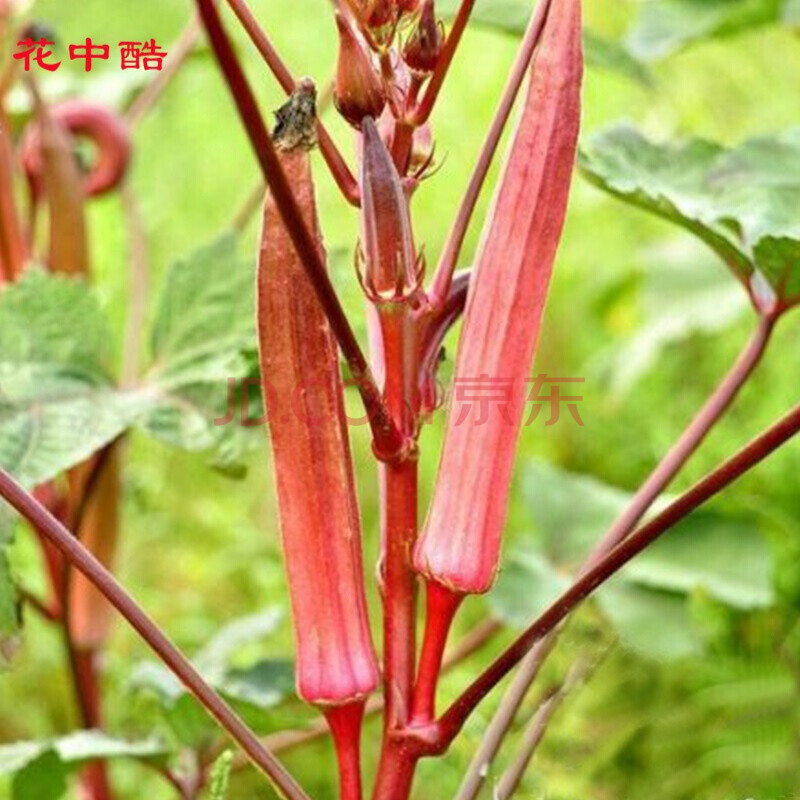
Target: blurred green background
<point>200,549</point>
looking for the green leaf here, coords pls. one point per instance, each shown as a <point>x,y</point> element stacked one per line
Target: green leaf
<point>81,746</point>
<point>203,336</point>
<point>666,26</point>
<point>43,778</point>
<point>607,54</point>
<point>740,202</point>
<point>721,555</point>
<point>233,663</point>
<point>206,309</point>
<point>57,402</point>
<point>511,16</point>
<point>528,575</point>
<point>40,768</point>
<point>220,775</point>
<point>684,291</point>
<point>653,624</point>
<point>724,556</point>
<point>216,656</point>
<point>263,685</point>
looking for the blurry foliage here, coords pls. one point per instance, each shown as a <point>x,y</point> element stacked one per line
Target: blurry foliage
<point>635,308</point>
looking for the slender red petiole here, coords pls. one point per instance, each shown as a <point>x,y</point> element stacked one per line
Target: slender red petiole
<point>389,440</point>
<point>421,113</point>
<point>455,239</point>
<point>441,609</point>
<point>83,560</point>
<point>344,178</point>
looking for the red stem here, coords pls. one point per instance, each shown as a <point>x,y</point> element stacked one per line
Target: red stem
<point>94,780</point>
<point>455,239</point>
<point>345,725</point>
<point>388,439</point>
<point>437,737</point>
<point>399,486</point>
<point>423,110</point>
<point>716,405</point>
<point>441,608</point>
<point>338,166</point>
<point>83,560</point>
<point>400,589</point>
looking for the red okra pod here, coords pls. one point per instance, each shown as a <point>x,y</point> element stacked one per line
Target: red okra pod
<point>319,517</point>
<point>460,544</point>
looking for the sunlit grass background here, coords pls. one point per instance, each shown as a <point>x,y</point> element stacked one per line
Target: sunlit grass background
<point>200,549</point>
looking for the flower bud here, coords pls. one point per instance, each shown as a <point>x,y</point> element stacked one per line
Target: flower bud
<point>358,90</point>
<point>379,13</point>
<point>319,519</point>
<point>407,6</point>
<point>422,48</point>
<point>460,544</point>
<point>391,271</point>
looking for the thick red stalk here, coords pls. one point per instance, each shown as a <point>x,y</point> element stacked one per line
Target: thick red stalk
<point>399,530</point>
<point>345,725</point>
<point>717,404</point>
<point>334,159</point>
<point>440,610</point>
<point>387,437</point>
<point>436,738</point>
<point>83,560</point>
<point>455,239</point>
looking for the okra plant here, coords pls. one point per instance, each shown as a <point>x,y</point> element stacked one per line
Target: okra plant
<point>65,418</point>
